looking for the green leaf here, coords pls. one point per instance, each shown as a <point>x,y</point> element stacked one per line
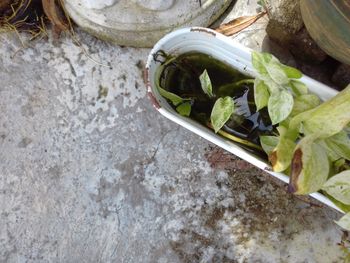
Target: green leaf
<point>309,168</point>
<point>261,94</point>
<point>259,60</point>
<point>339,164</point>
<point>298,87</point>
<point>339,144</point>
<point>272,86</point>
<point>221,112</point>
<point>330,117</point>
<point>206,83</point>
<point>338,186</point>
<point>184,109</point>
<point>269,143</point>
<point>282,155</point>
<point>332,155</point>
<point>175,99</point>
<point>291,72</point>
<point>344,222</point>
<point>304,103</point>
<point>280,106</point>
<point>276,72</point>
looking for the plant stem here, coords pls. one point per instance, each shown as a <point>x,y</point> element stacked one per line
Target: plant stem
<point>237,139</point>
<point>244,81</point>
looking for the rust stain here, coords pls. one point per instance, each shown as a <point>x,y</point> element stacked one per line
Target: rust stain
<point>153,100</point>
<point>145,76</point>
<point>296,168</point>
<point>197,29</point>
<point>149,89</point>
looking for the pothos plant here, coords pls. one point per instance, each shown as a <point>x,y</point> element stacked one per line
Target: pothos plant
<point>311,144</point>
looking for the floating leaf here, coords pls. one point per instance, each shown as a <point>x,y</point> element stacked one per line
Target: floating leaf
<point>206,83</point>
<point>304,103</point>
<point>175,99</point>
<point>238,24</point>
<point>221,112</point>
<point>338,186</point>
<point>184,109</point>
<point>280,106</point>
<point>261,94</point>
<point>309,168</point>
<point>269,143</point>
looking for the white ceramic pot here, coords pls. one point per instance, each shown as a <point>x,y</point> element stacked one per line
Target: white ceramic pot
<point>239,57</point>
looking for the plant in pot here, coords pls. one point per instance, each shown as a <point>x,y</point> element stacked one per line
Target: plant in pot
<point>273,116</point>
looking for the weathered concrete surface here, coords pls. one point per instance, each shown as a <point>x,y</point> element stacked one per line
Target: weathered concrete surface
<point>90,172</point>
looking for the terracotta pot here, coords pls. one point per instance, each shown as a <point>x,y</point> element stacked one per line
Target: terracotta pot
<point>328,22</point>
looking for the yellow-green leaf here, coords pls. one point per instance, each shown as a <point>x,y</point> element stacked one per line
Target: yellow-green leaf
<point>175,99</point>
<point>221,112</point>
<point>206,84</point>
<point>344,222</point>
<point>338,186</point>
<point>184,109</point>
<point>261,94</point>
<point>304,103</point>
<point>309,168</point>
<point>280,105</point>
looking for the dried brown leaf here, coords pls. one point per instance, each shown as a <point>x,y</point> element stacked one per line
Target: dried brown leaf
<point>53,11</point>
<point>238,24</point>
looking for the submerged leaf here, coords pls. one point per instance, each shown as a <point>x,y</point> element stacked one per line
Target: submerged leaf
<point>184,109</point>
<point>221,112</point>
<point>261,94</point>
<point>344,222</point>
<point>280,105</point>
<point>259,60</point>
<point>338,186</point>
<point>309,168</point>
<point>206,83</point>
<point>175,99</point>
<point>238,24</point>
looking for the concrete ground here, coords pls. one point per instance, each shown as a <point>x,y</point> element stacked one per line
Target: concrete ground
<point>90,172</point>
